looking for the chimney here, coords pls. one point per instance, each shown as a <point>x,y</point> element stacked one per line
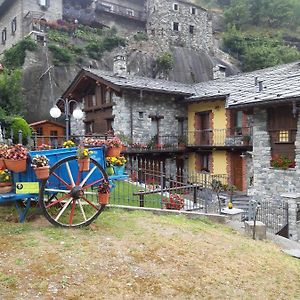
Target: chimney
<point>120,65</point>
<point>260,86</point>
<point>219,72</point>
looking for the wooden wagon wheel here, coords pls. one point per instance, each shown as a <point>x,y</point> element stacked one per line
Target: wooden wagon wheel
<point>69,197</point>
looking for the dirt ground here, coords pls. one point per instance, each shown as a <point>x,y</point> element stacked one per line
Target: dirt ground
<point>134,255</point>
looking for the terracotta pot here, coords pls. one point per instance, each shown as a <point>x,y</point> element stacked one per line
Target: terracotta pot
<point>83,164</point>
<point>16,165</point>
<point>114,151</point>
<point>2,164</point>
<point>103,198</point>
<point>42,172</point>
<point>5,187</point>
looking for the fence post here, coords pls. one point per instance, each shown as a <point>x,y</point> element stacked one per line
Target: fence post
<point>142,198</point>
<point>20,136</point>
<point>195,194</point>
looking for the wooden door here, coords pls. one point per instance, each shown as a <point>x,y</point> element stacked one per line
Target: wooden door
<point>202,134</point>
<point>237,170</point>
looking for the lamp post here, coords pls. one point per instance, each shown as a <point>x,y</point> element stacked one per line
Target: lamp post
<point>55,112</point>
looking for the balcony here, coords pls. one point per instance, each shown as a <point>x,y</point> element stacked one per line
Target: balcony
<point>226,138</point>
<point>162,143</point>
<point>123,11</point>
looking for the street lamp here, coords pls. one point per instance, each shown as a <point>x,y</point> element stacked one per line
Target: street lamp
<point>55,112</point>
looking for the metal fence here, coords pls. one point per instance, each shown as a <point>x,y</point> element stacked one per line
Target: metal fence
<point>273,214</point>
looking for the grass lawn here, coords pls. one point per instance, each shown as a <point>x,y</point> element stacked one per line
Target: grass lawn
<point>122,194</point>
<point>134,255</point>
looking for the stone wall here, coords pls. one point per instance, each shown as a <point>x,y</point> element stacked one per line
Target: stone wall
<point>270,183</point>
<point>161,16</point>
<point>134,108</point>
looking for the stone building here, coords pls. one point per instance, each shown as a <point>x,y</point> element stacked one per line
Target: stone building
<point>179,23</point>
<point>17,18</point>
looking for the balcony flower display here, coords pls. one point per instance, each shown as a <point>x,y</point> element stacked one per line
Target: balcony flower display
<point>40,164</point>
<point>282,162</point>
<point>15,158</point>
<point>44,147</point>
<point>95,142</point>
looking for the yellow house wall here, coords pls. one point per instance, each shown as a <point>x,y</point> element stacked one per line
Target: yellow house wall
<point>219,122</point>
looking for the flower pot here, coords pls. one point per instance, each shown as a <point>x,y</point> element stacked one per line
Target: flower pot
<point>16,165</point>
<point>5,187</point>
<point>114,151</point>
<point>83,164</point>
<point>119,170</point>
<point>42,172</point>
<point>110,171</point>
<point>103,198</point>
<point>2,164</point>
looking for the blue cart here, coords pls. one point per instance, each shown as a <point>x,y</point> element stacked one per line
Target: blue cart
<point>69,197</point>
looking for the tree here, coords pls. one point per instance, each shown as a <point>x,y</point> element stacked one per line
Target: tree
<point>11,100</point>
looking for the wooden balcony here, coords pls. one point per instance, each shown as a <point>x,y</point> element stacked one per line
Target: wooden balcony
<point>223,138</point>
<point>123,11</point>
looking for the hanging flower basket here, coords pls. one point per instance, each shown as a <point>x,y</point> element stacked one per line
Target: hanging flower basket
<point>16,165</point>
<point>114,151</point>
<point>2,164</point>
<point>42,172</point>
<point>84,164</point>
<point>5,187</point>
<point>103,198</point>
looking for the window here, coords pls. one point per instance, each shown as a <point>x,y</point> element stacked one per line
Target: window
<point>141,115</point>
<point>175,26</point>
<point>202,162</point>
<point>45,3</point>
<point>193,10</point>
<point>109,124</point>
<point>14,25</point>
<point>192,29</point>
<point>130,12</point>
<point>39,131</point>
<point>4,35</point>
<point>89,127</point>
<point>283,136</point>
<point>175,6</point>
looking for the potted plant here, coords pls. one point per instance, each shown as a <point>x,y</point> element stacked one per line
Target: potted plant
<point>246,139</point>
<point>174,202</point>
<point>3,149</point>
<point>5,182</point>
<point>118,164</point>
<point>15,158</point>
<point>114,147</point>
<point>68,144</point>
<point>40,164</point>
<point>83,158</point>
<point>44,147</point>
<point>103,193</point>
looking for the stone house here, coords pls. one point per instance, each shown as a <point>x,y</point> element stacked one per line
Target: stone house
<point>17,19</point>
<point>270,99</point>
<point>150,113</point>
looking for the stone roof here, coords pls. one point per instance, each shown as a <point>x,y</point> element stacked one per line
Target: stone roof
<point>280,83</point>
<point>144,83</point>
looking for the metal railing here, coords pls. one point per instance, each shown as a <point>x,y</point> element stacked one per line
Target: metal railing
<point>221,137</point>
<point>122,11</point>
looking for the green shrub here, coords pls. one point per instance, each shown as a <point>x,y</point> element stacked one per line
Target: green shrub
<point>78,50</point>
<point>61,56</point>
<point>19,124</point>
<point>140,36</point>
<point>58,37</point>
<point>94,50</point>
<point>111,42</point>
<point>164,63</point>
<point>15,56</point>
